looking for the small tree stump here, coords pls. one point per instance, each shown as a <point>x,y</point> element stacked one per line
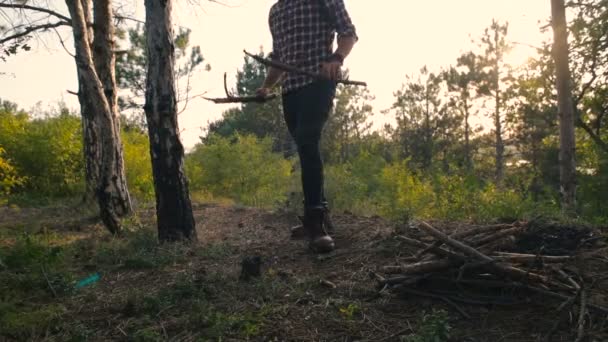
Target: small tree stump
<point>251,268</point>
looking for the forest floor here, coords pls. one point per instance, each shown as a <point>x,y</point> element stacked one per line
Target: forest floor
<point>151,292</point>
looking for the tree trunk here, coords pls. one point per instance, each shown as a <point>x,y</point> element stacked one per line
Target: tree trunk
<point>103,53</point>
<point>428,136</point>
<point>567,165</point>
<point>467,139</point>
<point>90,127</point>
<point>173,208</point>
<point>99,109</point>
<point>500,146</point>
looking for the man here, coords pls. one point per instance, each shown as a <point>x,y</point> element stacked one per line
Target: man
<point>303,33</point>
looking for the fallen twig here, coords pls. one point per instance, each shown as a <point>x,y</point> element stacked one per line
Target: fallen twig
<point>497,236</point>
<point>581,317</point>
<point>421,267</point>
<point>436,296</point>
<point>48,282</point>
<point>564,307</point>
<point>437,250</point>
<point>466,234</point>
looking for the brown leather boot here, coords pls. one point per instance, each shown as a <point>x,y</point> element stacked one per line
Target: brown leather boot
<point>319,240</point>
<point>299,233</point>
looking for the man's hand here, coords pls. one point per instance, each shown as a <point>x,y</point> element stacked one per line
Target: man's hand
<point>331,70</point>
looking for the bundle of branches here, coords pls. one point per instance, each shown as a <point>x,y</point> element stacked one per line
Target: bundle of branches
<point>472,267</point>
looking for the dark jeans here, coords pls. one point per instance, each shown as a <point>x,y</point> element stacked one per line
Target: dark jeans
<point>306,111</point>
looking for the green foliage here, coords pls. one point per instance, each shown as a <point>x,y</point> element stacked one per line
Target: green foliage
<point>434,327</point>
<point>29,323</point>
<point>45,151</point>
<point>137,250</point>
<point>351,185</point>
<point>350,311</point>
<point>8,178</point>
<point>136,148</point>
<point>243,168</point>
<point>404,195</point>
<point>41,157</point>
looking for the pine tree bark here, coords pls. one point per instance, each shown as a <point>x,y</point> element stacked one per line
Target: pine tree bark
<point>567,163</point>
<point>103,53</point>
<point>100,110</point>
<point>173,207</point>
<point>90,126</point>
<point>467,140</point>
<point>500,145</point>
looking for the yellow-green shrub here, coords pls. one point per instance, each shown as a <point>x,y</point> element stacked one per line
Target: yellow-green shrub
<point>403,195</point>
<point>242,168</point>
<point>138,167</point>
<point>8,178</point>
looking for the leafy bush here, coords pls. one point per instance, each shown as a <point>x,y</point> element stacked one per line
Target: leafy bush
<point>351,185</point>
<point>138,166</point>
<point>242,168</point>
<point>8,178</point>
<point>402,194</point>
<point>46,152</point>
<point>434,327</point>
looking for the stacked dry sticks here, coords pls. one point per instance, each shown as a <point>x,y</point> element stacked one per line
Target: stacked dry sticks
<point>472,261</point>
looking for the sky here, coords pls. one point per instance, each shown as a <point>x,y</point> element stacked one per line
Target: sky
<point>396,38</point>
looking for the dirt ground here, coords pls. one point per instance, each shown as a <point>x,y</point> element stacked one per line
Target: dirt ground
<point>300,296</point>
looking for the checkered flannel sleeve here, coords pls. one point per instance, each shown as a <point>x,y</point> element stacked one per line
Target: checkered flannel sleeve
<point>344,25</point>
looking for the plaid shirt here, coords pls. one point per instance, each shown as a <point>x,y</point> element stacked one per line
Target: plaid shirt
<point>303,35</point>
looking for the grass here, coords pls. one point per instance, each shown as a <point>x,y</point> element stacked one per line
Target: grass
<point>38,292</point>
<point>154,292</point>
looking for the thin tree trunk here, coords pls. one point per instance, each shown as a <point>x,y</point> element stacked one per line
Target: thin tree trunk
<point>567,164</point>
<point>103,52</point>
<point>90,127</point>
<point>428,148</point>
<point>173,207</point>
<point>99,108</point>
<point>500,146</point>
<point>467,142</point>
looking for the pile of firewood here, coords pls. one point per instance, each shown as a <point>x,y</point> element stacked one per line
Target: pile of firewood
<point>471,266</point>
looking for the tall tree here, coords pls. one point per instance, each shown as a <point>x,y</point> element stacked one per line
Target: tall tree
<point>565,107</point>
<point>532,120</point>
<point>173,207</point>
<point>113,176</point>
<point>110,199</point>
<point>496,75</point>
<point>462,81</point>
<point>90,122</point>
<point>419,107</point>
<point>102,148</point>
<point>348,123</point>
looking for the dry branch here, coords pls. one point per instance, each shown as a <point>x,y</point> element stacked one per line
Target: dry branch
<point>437,250</point>
<point>467,234</point>
<point>31,29</point>
<point>242,99</point>
<point>581,316</point>
<point>37,9</point>
<point>289,68</point>
<point>524,258</point>
<point>497,236</point>
<point>422,267</point>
